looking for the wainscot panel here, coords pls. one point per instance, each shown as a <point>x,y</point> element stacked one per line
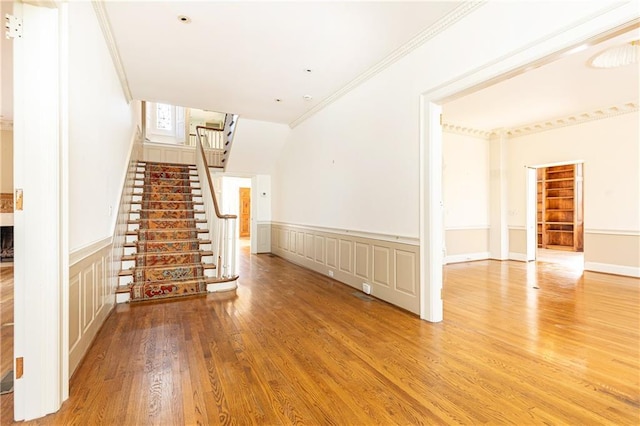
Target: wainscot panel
<point>90,300</point>
<point>390,268</point>
<point>612,252</point>
<point>264,237</point>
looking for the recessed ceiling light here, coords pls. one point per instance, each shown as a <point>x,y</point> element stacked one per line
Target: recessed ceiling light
<point>307,97</point>
<point>278,100</point>
<point>184,19</point>
<point>308,70</point>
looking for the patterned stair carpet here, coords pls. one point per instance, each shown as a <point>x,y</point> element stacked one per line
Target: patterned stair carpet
<point>168,260</point>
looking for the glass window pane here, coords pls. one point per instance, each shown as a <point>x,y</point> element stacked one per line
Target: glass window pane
<point>163,114</point>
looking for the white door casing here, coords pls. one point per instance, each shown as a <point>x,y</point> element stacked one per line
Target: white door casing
<point>41,252</point>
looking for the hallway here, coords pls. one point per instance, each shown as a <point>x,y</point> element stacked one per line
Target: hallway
<point>521,343</point>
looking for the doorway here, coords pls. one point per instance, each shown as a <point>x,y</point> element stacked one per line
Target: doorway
<point>244,212</point>
<point>559,212</point>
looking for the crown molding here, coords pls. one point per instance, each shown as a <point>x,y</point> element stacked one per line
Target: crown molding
<point>105,25</point>
<point>442,24</point>
<point>542,126</point>
<point>572,120</point>
<point>466,131</point>
<point>6,124</point>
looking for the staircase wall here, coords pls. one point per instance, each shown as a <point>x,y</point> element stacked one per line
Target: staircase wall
<point>102,133</point>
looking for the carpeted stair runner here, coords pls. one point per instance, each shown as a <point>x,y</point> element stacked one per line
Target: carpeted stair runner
<point>168,255</point>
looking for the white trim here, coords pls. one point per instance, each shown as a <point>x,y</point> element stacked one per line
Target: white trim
<point>517,228</point>
<point>467,131</point>
<point>467,228</point>
<point>63,30</point>
<point>625,232</point>
<point>105,25</point>
<point>87,250</point>
<point>466,257</point>
<point>356,233</point>
<point>520,257</point>
<point>573,119</point>
<point>549,124</point>
<point>431,212</point>
<point>224,286</point>
<point>442,24</point>
<point>123,297</point>
<point>607,268</point>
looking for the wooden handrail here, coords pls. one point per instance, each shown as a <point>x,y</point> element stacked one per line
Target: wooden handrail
<point>210,181</point>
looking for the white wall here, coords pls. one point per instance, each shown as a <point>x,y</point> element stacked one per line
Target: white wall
<point>465,181</point>
<point>231,194</point>
<point>466,196</point>
<point>256,146</point>
<point>100,131</point>
<point>355,164</point>
<point>611,154</point>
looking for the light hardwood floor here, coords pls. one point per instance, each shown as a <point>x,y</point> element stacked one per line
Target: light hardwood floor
<point>521,344</point>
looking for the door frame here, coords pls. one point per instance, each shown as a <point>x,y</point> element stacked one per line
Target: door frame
<point>41,297</point>
<point>598,27</point>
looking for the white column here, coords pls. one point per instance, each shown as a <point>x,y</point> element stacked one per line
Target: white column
<point>431,212</point>
<point>498,230</point>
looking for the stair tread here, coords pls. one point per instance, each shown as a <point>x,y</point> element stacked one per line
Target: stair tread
<point>128,272</point>
<point>137,221</point>
<point>165,164</point>
<point>192,240</point>
<point>203,253</point>
<point>199,230</point>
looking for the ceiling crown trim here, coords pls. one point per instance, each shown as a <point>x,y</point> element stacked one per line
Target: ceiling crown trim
<point>543,126</point>
<point>442,24</point>
<point>466,131</point>
<point>105,25</point>
<point>573,119</point>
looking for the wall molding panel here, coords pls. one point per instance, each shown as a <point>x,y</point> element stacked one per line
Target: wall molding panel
<point>90,301</point>
<point>390,268</point>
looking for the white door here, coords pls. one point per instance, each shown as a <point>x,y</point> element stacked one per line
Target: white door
<point>40,247</point>
<point>531,216</point>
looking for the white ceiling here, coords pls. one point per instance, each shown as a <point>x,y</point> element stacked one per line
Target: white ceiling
<point>561,88</point>
<point>238,57</point>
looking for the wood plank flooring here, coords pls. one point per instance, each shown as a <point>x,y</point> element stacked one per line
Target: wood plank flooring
<point>521,343</point>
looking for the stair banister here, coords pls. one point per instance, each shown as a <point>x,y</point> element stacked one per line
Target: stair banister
<point>222,227</point>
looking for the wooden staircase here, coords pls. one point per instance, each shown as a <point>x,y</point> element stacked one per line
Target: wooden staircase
<point>168,250</point>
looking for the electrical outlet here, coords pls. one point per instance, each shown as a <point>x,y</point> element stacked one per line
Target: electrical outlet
<point>331,273</point>
<point>366,288</point>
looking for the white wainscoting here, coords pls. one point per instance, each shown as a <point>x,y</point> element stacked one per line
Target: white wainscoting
<point>391,268</point>
<point>264,237</point>
<point>612,252</point>
<point>466,244</point>
<point>179,154</point>
<point>91,297</point>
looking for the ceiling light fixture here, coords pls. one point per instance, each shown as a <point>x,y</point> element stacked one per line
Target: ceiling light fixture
<point>184,19</point>
<point>618,56</point>
<point>308,70</point>
<point>307,97</point>
<point>278,100</point>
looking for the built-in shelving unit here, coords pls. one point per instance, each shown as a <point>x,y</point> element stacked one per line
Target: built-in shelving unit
<point>560,205</point>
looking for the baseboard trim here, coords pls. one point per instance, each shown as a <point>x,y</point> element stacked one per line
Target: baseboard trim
<point>466,257</point>
<point>520,257</point>
<point>222,286</point>
<point>608,268</point>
